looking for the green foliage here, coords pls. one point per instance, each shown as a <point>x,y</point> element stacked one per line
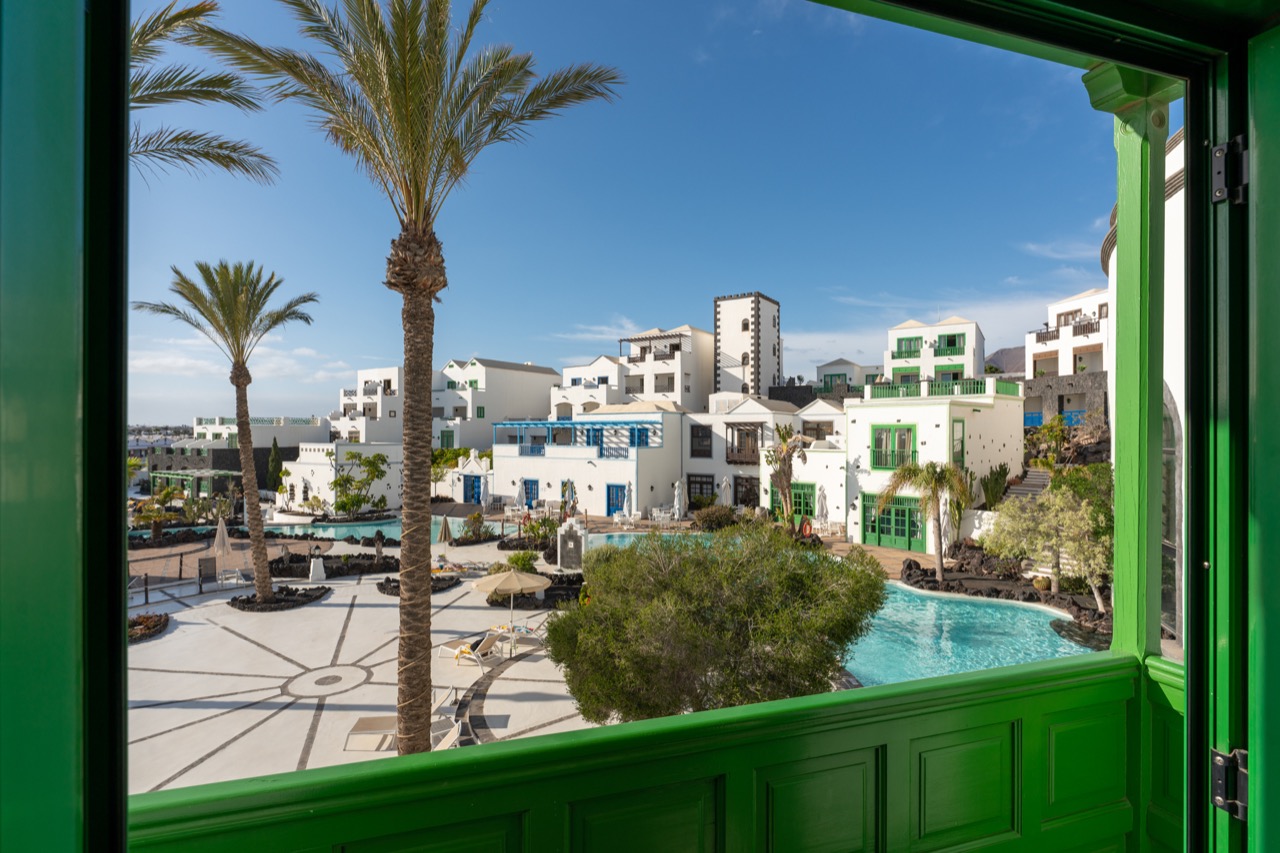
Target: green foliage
<point>132,468</point>
<point>698,502</point>
<point>195,510</point>
<point>715,517</point>
<point>993,485</point>
<point>542,531</point>
<point>780,457</point>
<point>674,624</point>
<point>991,368</point>
<point>450,457</point>
<point>1041,583</point>
<point>474,529</point>
<point>1094,484</point>
<point>356,480</point>
<point>275,465</point>
<point>934,483</point>
<point>315,505</point>
<point>522,561</point>
<point>1046,443</point>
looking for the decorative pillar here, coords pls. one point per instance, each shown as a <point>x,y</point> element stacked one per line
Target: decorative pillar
<point>1140,103</point>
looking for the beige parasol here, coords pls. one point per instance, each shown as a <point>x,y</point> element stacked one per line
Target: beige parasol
<point>512,583</point>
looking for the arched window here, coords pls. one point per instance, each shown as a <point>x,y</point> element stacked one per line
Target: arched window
<point>746,359</point>
<point>746,325</point>
<point>746,389</point>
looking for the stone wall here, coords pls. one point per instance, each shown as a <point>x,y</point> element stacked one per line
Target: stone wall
<point>1092,385</point>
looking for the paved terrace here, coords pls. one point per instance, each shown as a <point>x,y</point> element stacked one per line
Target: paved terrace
<point>224,694</point>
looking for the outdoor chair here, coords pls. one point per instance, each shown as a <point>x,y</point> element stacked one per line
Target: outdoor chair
<point>449,739</point>
<point>476,650</point>
<point>372,734</point>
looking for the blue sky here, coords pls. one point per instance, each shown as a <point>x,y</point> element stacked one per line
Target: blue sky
<point>860,172</point>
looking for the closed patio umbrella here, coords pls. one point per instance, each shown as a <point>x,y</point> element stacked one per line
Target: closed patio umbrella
<point>512,583</point>
<point>484,491</point>
<point>568,498</point>
<point>820,511</point>
<point>677,502</point>
<point>629,503</point>
<point>221,544</point>
<point>726,492</point>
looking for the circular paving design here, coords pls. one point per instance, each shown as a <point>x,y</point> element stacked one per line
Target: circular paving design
<point>327,681</point>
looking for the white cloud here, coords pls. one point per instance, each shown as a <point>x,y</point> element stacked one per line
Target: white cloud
<point>306,351</point>
<point>1062,250</point>
<point>618,327</point>
<point>337,365</point>
<point>169,363</point>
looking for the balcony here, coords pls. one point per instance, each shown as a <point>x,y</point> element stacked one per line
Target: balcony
<point>635,359</point>
<point>663,356</point>
<point>951,388</point>
<point>891,458</point>
<point>948,350</point>
<point>889,392</point>
<point>614,452</point>
<point>348,392</point>
<point>533,450</point>
<point>735,456</point>
<point>1089,327</point>
<point>906,353</point>
<point>1033,419</point>
<point>1044,336</point>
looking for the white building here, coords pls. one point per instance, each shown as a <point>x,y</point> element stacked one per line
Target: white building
<point>841,371</point>
<point>1076,336</point>
<point>221,431</point>
<point>975,423</point>
<point>372,411</point>
<point>748,343</point>
<point>313,472</point>
<point>948,350</point>
<point>730,442</point>
<point>602,452</point>
<point>468,396</point>
<point>658,365</point>
<point>464,484</point>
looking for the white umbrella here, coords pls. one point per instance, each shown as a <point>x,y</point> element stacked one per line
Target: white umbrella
<point>512,583</point>
<point>820,513</point>
<point>677,503</point>
<point>568,498</point>
<point>726,492</point>
<point>629,503</point>
<point>484,491</point>
<point>221,544</point>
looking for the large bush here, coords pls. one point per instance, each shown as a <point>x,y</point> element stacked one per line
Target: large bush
<point>715,517</point>
<point>676,624</point>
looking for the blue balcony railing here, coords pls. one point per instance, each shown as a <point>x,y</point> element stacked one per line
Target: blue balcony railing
<point>614,452</point>
<point>1033,419</point>
<point>533,450</point>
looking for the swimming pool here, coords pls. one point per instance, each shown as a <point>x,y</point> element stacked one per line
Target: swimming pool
<point>622,540</point>
<point>921,635</point>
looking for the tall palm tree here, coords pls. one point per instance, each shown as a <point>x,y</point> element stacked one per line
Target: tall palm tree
<point>402,93</point>
<point>787,447</point>
<point>934,482</point>
<point>151,85</point>
<point>229,307</point>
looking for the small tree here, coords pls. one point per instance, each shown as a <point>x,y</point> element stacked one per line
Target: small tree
<point>674,625</point>
<point>156,511</point>
<point>934,483</point>
<point>283,488</point>
<point>356,478</point>
<point>274,466</point>
<point>1046,443</point>
<point>780,456</point>
<point>439,470</point>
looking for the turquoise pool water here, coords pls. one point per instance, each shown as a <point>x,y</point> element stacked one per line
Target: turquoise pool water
<point>920,635</point>
<point>622,540</point>
<point>390,529</point>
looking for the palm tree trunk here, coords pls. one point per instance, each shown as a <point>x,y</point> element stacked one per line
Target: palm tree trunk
<point>937,539</point>
<point>1097,597</point>
<point>415,269</point>
<point>249,484</point>
<point>1055,572</point>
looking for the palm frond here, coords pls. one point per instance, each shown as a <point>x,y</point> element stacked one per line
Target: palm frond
<point>165,148</point>
<point>147,35</point>
<point>171,84</point>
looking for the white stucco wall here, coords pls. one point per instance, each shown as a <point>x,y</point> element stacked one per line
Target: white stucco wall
<point>313,472</point>
<point>972,360</point>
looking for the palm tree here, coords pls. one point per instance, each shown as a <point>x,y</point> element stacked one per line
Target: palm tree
<point>151,86</point>
<point>787,447</point>
<point>933,482</point>
<point>229,307</point>
<point>414,110</point>
<point>156,511</point>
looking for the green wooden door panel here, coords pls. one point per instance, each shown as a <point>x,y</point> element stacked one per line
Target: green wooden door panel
<point>1075,786</point>
<point>492,835</point>
<point>962,786</point>
<point>682,817</point>
<point>822,805</point>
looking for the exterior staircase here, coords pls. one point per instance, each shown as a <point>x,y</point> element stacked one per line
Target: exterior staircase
<point>1033,483</point>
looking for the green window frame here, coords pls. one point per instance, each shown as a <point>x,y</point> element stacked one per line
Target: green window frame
<point>450,385</point>
<point>908,347</point>
<point>905,374</point>
<point>479,411</point>
<point>950,344</point>
<point>831,379</point>
<point>892,445</point>
<point>446,439</point>
<point>473,383</point>
<point>957,441</point>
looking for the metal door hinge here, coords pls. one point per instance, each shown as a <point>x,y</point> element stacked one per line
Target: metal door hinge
<point>1230,782</point>
<point>1230,169</point>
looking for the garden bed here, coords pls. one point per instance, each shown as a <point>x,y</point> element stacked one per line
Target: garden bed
<point>287,598</point>
<point>439,583</point>
<point>298,566</point>
<point>144,626</point>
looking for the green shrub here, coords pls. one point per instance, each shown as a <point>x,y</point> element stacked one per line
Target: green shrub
<point>542,531</point>
<point>522,561</point>
<point>994,483</point>
<point>698,502</point>
<point>715,517</point>
<point>1041,583</point>
<point>676,624</point>
<point>474,529</point>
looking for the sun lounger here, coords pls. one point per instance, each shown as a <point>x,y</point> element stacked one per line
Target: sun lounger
<point>449,739</point>
<point>372,734</point>
<point>476,650</point>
